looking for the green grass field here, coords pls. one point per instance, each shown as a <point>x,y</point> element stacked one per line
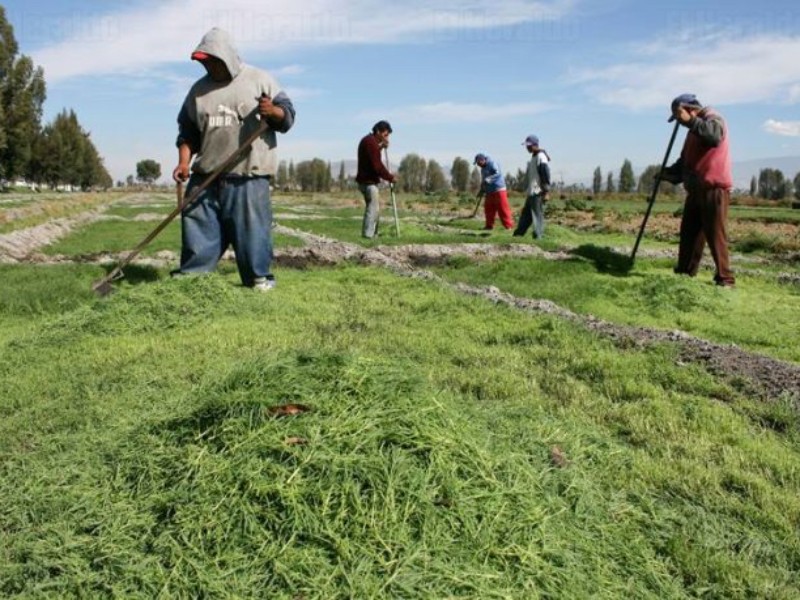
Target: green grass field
<point>452,447</point>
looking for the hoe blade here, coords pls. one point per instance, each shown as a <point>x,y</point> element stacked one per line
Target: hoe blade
<point>102,287</point>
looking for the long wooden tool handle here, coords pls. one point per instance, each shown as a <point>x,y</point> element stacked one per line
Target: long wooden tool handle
<point>653,194</point>
<point>116,273</point>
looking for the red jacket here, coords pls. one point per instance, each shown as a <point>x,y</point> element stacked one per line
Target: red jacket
<point>704,162</point>
<point>370,167</point>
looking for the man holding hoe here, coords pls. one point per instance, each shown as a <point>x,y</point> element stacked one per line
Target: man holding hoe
<point>370,172</point>
<point>231,103</point>
<point>704,168</point>
<point>493,186</point>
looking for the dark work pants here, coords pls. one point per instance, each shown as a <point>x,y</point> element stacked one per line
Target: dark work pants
<point>704,215</point>
<point>231,211</point>
<point>532,213</point>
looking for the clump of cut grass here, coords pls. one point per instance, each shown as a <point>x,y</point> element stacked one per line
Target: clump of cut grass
<point>30,291</point>
<point>756,241</point>
<point>388,494</point>
<point>172,304</point>
<point>454,447</point>
<point>665,294</point>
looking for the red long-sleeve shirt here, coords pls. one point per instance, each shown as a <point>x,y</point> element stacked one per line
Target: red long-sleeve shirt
<point>370,166</point>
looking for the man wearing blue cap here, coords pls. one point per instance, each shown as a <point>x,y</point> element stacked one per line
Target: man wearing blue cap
<point>704,168</point>
<point>493,186</point>
<point>538,189</point>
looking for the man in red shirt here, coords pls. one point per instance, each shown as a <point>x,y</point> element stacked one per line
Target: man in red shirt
<point>704,168</point>
<point>370,172</point>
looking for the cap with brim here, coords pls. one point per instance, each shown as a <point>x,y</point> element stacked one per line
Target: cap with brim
<point>531,141</point>
<point>689,100</point>
<point>479,157</point>
<point>200,56</point>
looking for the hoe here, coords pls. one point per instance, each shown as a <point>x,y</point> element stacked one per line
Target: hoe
<point>652,198</point>
<point>394,199</point>
<point>103,287</point>
<point>477,204</point>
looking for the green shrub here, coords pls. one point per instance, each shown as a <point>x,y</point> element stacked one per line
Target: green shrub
<point>576,204</point>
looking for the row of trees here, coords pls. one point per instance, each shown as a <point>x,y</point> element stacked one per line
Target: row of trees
<point>627,183</point>
<point>418,175</point>
<point>772,185</point>
<point>60,152</point>
<point>415,175</point>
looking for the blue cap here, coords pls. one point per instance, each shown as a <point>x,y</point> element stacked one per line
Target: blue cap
<point>531,140</point>
<point>479,156</point>
<point>684,100</point>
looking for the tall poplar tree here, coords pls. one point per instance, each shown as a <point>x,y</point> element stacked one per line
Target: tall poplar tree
<point>434,177</point>
<point>597,181</point>
<point>22,94</point>
<point>627,181</point>
<point>459,174</point>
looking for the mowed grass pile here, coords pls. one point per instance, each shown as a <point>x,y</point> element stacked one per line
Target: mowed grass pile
<point>453,448</point>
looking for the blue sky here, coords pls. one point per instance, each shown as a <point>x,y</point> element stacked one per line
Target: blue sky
<point>592,78</point>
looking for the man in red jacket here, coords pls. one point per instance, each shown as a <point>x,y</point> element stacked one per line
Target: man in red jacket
<point>704,167</point>
<point>370,173</point>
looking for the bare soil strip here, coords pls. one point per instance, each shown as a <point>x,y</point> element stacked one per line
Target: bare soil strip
<point>19,245</point>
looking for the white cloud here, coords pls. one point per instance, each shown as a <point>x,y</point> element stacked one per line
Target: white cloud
<point>151,35</point>
<point>289,70</point>
<point>786,128</point>
<point>719,68</point>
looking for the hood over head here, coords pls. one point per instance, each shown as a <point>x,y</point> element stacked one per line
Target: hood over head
<point>218,43</point>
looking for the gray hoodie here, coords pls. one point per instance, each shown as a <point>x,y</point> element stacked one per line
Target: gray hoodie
<point>217,116</point>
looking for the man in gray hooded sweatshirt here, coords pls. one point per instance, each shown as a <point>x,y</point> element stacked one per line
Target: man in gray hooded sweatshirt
<point>223,108</point>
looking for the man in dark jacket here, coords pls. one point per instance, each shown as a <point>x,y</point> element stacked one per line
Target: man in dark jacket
<point>370,172</point>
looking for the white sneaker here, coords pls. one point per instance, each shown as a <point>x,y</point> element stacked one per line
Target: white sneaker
<point>264,285</point>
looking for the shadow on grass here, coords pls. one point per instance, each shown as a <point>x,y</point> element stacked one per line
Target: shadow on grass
<point>605,260</point>
<point>135,274</point>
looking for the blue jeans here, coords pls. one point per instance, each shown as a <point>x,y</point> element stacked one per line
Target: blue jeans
<point>532,212</point>
<point>232,210</point>
<point>369,227</point>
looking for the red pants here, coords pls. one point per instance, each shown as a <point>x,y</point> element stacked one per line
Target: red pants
<point>497,202</point>
<point>704,214</point>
